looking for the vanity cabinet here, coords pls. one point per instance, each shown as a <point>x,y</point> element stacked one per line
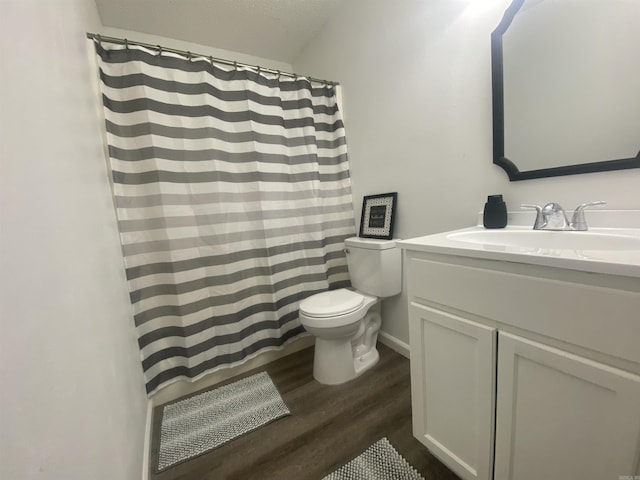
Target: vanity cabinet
<point>522,371</point>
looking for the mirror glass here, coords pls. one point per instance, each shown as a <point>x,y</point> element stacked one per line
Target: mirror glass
<point>566,86</point>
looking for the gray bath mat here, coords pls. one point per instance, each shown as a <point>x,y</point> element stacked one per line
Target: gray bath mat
<point>378,462</point>
<point>198,424</point>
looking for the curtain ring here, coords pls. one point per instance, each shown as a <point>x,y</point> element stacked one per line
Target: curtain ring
<point>159,50</point>
<point>235,66</point>
<point>126,44</point>
<point>279,73</point>
<point>211,61</point>
<point>99,38</point>
<point>189,56</point>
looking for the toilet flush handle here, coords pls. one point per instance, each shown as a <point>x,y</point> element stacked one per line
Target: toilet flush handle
<point>346,251</point>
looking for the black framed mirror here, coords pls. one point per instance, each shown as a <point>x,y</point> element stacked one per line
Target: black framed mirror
<point>566,87</point>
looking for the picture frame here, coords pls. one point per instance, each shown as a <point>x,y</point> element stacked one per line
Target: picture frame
<point>378,214</point>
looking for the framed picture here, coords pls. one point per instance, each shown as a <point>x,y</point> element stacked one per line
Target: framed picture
<point>378,212</point>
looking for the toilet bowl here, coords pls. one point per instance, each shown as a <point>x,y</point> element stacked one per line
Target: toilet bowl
<point>346,322</point>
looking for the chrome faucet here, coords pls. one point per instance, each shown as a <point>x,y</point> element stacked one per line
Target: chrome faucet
<point>553,217</point>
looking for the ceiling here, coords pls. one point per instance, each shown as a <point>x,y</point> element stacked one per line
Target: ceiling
<point>274,29</point>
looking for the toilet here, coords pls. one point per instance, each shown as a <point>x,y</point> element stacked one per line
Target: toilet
<point>346,322</point>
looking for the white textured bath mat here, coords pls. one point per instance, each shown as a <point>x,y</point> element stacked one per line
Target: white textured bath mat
<point>378,462</point>
<point>198,424</point>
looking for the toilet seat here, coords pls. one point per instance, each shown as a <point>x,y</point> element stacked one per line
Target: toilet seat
<point>332,303</point>
<point>334,309</point>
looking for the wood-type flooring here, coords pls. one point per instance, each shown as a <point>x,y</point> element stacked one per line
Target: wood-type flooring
<point>328,426</point>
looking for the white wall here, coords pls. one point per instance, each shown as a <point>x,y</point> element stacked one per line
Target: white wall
<point>72,399</point>
<point>417,99</point>
<point>195,48</point>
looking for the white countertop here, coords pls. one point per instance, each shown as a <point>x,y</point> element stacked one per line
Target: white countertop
<point>613,250</point>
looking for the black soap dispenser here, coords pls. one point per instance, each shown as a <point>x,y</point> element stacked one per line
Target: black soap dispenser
<point>495,212</point>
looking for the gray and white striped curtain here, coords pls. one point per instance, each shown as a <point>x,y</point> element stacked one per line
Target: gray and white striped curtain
<point>233,200</point>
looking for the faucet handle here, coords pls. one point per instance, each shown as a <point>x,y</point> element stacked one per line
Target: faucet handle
<point>578,221</point>
<point>539,223</point>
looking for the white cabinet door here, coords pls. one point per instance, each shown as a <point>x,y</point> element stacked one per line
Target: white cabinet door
<point>452,387</point>
<point>561,416</point>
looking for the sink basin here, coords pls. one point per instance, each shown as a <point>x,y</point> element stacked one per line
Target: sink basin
<point>537,239</point>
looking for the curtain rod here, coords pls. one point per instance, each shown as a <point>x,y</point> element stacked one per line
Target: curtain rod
<point>123,41</point>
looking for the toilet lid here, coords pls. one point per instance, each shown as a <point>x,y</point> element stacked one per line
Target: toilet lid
<point>332,303</point>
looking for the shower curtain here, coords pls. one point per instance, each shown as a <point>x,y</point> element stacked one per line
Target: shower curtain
<point>233,200</point>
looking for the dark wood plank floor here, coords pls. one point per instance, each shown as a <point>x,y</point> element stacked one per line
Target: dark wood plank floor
<point>328,426</point>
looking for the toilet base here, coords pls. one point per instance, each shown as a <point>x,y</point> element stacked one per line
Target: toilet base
<point>364,362</point>
<point>333,361</point>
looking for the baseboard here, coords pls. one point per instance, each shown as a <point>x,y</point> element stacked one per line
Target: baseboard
<point>147,442</point>
<point>394,344</point>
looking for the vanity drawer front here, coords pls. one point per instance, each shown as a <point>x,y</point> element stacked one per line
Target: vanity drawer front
<point>605,320</point>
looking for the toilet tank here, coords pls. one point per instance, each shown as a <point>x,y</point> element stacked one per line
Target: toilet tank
<point>375,266</point>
